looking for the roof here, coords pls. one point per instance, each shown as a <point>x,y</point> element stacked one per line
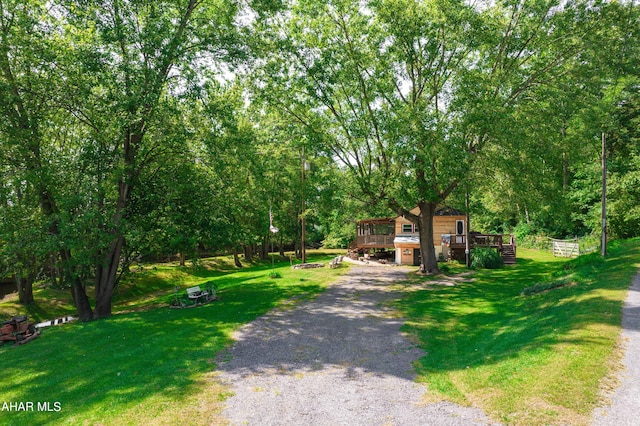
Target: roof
<point>378,220</point>
<point>448,211</point>
<point>440,211</point>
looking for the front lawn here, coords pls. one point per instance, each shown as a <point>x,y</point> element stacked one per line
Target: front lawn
<point>148,363</point>
<point>530,344</point>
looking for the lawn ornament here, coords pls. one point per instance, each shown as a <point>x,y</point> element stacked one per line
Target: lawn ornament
<point>18,330</point>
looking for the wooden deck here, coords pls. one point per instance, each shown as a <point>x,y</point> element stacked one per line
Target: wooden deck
<point>505,244</point>
<point>375,241</point>
<point>377,233</point>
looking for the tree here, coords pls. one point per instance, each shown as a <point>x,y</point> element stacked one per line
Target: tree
<point>408,95</point>
<point>624,166</point>
<point>25,78</point>
<point>606,79</point>
<point>121,64</point>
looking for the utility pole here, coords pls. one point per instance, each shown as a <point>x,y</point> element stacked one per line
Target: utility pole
<point>467,252</point>
<point>303,249</point>
<point>603,250</point>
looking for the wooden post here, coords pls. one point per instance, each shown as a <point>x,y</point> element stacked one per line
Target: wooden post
<point>467,252</point>
<point>303,250</point>
<point>603,250</point>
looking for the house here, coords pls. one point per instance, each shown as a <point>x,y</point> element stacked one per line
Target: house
<point>398,238</point>
<point>447,224</point>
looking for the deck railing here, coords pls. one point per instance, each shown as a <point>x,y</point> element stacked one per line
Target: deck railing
<point>375,240</point>
<point>483,240</point>
<point>456,241</point>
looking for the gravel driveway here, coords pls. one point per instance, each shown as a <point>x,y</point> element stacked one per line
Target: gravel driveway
<point>625,401</point>
<point>337,360</point>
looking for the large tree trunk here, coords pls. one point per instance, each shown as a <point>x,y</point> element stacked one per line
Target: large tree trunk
<point>264,252</point>
<point>107,270</point>
<point>81,300</point>
<point>425,229</point>
<point>236,259</point>
<point>54,271</point>
<point>106,278</point>
<point>247,253</point>
<point>78,291</point>
<point>297,250</point>
<point>25,289</point>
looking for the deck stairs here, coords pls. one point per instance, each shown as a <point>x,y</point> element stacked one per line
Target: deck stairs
<point>508,255</point>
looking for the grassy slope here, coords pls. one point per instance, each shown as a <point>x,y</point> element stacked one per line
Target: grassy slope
<point>147,366</point>
<point>536,359</point>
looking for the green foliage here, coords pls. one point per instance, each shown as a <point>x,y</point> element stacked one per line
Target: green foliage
<point>624,182</point>
<point>445,268</point>
<point>416,98</point>
<point>486,258</point>
<point>119,138</point>
<point>524,234</point>
<point>336,241</point>
<point>549,176</point>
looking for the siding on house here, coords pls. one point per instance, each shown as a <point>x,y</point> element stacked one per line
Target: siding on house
<point>406,247</point>
<point>441,225</point>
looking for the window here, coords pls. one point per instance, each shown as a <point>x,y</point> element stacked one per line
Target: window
<point>407,228</point>
<point>460,227</point>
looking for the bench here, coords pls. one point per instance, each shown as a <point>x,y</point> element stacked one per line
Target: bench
<point>336,262</point>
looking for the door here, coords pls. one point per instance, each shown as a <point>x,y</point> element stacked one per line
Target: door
<point>459,231</point>
<point>417,259</point>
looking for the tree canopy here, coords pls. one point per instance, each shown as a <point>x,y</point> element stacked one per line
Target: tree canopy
<point>132,129</point>
<point>412,97</point>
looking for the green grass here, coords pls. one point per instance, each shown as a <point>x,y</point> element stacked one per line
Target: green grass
<point>148,364</point>
<point>525,357</point>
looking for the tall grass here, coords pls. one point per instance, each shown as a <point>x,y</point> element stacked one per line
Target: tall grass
<point>525,359</point>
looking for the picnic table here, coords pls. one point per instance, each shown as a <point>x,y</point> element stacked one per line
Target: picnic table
<point>194,296</point>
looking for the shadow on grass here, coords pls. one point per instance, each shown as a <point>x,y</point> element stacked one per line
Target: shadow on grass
<point>488,321</point>
<point>101,367</point>
<point>98,367</point>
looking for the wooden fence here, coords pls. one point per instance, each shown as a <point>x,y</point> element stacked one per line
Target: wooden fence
<point>566,248</point>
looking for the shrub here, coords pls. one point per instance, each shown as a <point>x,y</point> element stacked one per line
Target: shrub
<point>522,231</point>
<point>334,242</point>
<point>444,268</point>
<point>486,257</point>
